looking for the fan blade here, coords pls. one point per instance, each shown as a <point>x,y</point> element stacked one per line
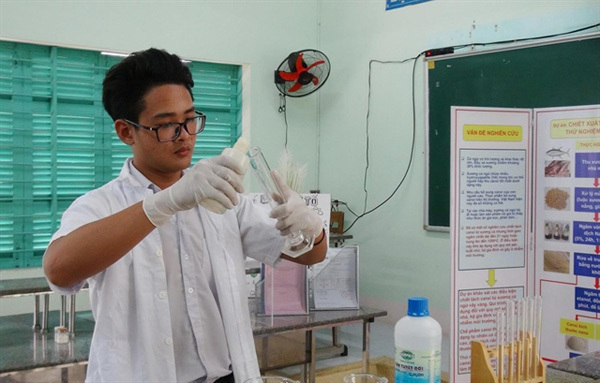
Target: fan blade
<point>299,66</point>
<point>315,80</point>
<point>315,64</point>
<point>287,76</point>
<point>295,88</point>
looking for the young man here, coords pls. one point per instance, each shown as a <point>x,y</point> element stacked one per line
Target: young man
<point>166,277</point>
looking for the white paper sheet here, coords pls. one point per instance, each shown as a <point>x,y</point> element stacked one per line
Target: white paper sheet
<point>334,281</point>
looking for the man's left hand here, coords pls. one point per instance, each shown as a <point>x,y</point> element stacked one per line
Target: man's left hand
<point>293,216</point>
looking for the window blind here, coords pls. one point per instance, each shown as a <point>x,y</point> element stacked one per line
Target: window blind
<point>57,142</point>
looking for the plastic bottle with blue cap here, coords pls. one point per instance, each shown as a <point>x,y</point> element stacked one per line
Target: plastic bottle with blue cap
<point>418,341</point>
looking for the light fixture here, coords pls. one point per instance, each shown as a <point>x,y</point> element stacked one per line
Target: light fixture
<point>115,54</point>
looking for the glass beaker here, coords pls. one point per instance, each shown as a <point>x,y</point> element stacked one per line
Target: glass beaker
<point>297,243</point>
<point>270,379</point>
<point>364,378</point>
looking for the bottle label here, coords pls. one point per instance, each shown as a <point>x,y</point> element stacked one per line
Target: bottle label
<point>416,366</point>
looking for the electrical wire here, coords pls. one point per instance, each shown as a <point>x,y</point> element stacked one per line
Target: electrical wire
<point>412,146</point>
<point>283,109</point>
<point>365,212</point>
<point>345,204</point>
<point>367,121</point>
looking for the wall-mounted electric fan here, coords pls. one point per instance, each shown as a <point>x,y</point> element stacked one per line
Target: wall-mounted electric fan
<point>302,73</point>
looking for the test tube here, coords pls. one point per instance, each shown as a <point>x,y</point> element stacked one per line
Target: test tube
<point>498,341</point>
<point>521,337</point>
<point>538,330</point>
<point>503,335</point>
<point>526,339</point>
<point>532,331</point>
<point>295,244</point>
<point>510,330</point>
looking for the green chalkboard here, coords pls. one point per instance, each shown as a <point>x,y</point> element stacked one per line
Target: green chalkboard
<point>559,74</point>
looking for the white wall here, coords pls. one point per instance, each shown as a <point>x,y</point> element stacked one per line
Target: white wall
<point>398,258</point>
<point>258,33</point>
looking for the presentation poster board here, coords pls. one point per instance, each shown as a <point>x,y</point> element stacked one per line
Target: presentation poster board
<point>520,229</point>
<point>567,229</point>
<point>490,185</point>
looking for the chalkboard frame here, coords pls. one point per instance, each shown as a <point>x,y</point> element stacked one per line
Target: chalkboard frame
<point>537,74</point>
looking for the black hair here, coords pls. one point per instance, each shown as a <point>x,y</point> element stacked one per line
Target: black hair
<point>128,81</point>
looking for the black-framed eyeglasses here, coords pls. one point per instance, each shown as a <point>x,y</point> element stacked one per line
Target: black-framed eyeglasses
<point>172,130</point>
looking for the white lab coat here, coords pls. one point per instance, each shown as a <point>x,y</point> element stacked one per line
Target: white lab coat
<point>132,339</point>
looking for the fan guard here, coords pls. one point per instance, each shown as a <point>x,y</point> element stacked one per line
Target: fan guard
<point>302,73</point>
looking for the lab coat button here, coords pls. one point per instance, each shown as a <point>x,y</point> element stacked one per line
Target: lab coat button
<point>185,256</point>
<point>190,290</point>
<point>162,294</point>
<point>159,253</point>
<point>169,341</point>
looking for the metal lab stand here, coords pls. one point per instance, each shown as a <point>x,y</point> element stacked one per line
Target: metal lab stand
<point>38,287</point>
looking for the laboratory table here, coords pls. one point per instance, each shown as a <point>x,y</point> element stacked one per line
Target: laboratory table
<point>315,320</point>
<point>23,286</point>
<point>23,349</point>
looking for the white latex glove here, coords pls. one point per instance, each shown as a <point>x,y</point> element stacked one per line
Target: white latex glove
<point>218,178</point>
<point>293,215</point>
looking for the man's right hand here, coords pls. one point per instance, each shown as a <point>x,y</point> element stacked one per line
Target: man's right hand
<point>218,178</point>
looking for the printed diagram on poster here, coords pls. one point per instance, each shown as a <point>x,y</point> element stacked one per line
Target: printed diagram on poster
<point>522,229</point>
<point>567,229</point>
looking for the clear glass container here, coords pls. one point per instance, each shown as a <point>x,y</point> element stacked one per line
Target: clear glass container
<point>297,243</point>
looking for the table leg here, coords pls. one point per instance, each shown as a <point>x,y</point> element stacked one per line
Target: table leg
<point>365,345</point>
<point>307,360</point>
<point>72,315</point>
<point>63,310</point>
<point>335,336</point>
<point>36,313</point>
<point>45,312</point>
<point>265,352</point>
<point>311,357</point>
